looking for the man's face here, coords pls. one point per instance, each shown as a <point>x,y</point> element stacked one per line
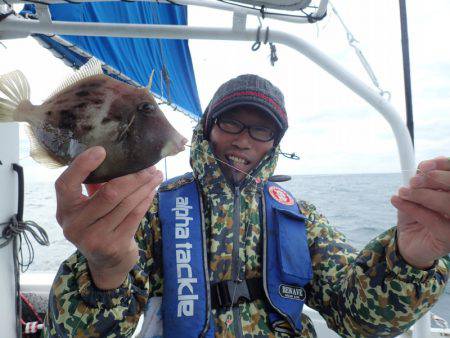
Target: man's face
<point>241,150</point>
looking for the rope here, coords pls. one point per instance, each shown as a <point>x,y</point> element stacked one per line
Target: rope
<point>273,49</point>
<point>164,72</point>
<point>31,327</point>
<point>273,54</point>
<point>353,43</point>
<point>18,229</point>
<point>31,308</point>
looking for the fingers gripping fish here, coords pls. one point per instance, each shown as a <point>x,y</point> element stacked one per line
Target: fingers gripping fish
<point>91,109</point>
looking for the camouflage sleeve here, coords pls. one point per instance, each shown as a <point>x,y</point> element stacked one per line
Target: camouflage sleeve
<point>78,309</point>
<point>373,293</point>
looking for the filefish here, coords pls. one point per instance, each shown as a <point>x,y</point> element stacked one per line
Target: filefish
<point>91,109</point>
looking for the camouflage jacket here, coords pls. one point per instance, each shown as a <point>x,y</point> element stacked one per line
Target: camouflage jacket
<point>373,293</point>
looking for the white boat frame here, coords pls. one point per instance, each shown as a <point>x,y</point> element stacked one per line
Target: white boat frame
<point>17,27</point>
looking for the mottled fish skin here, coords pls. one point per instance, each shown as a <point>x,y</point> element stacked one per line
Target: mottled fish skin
<point>100,110</point>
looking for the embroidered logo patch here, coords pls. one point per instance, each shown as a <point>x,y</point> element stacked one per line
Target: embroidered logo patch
<point>292,292</point>
<point>281,196</point>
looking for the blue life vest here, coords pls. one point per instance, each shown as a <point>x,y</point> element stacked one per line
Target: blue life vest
<point>186,304</point>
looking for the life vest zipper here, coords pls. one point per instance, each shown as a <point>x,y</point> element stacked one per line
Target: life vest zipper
<point>236,234</point>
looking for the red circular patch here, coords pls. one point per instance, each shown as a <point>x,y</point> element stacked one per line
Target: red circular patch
<point>281,196</point>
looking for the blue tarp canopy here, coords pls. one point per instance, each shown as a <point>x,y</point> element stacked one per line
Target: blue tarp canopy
<point>174,78</point>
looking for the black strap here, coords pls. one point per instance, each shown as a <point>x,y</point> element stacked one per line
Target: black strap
<point>230,293</point>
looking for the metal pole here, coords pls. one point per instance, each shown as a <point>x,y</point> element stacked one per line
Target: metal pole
<point>406,69</point>
<point>404,145</point>
<point>214,4</point>
<point>423,326</point>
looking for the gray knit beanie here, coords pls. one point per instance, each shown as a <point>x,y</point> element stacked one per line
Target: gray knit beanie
<point>248,90</point>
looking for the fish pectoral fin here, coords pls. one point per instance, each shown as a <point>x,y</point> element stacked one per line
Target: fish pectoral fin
<point>40,154</point>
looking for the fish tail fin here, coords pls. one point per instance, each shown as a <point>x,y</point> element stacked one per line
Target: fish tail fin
<point>14,89</point>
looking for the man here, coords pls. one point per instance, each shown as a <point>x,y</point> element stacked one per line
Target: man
<point>238,256</point>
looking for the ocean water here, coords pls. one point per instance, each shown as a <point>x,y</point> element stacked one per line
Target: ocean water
<point>357,205</point>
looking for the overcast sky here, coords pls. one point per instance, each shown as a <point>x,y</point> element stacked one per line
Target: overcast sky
<point>332,129</point>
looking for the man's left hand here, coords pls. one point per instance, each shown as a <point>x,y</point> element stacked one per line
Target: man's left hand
<point>423,226</point>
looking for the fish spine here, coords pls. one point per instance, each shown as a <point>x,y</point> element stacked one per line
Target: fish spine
<point>14,89</point>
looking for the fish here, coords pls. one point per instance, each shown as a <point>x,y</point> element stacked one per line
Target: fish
<point>91,109</point>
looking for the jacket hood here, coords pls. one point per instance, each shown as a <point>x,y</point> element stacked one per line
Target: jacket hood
<point>209,172</point>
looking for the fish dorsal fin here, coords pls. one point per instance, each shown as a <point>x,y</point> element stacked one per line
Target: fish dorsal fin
<point>39,153</point>
<point>90,68</point>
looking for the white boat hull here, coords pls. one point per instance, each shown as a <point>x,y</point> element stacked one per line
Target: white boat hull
<point>9,135</point>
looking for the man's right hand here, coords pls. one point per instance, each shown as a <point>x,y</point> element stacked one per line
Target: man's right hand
<point>103,226</point>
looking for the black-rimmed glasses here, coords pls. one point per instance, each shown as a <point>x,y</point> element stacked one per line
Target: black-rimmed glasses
<point>257,133</point>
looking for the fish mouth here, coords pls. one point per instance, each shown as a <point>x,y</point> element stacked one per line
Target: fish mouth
<point>179,147</point>
<point>173,148</point>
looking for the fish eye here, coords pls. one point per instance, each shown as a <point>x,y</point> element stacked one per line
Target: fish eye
<point>146,108</point>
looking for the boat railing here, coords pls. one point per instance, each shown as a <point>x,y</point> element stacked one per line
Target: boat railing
<point>319,13</point>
